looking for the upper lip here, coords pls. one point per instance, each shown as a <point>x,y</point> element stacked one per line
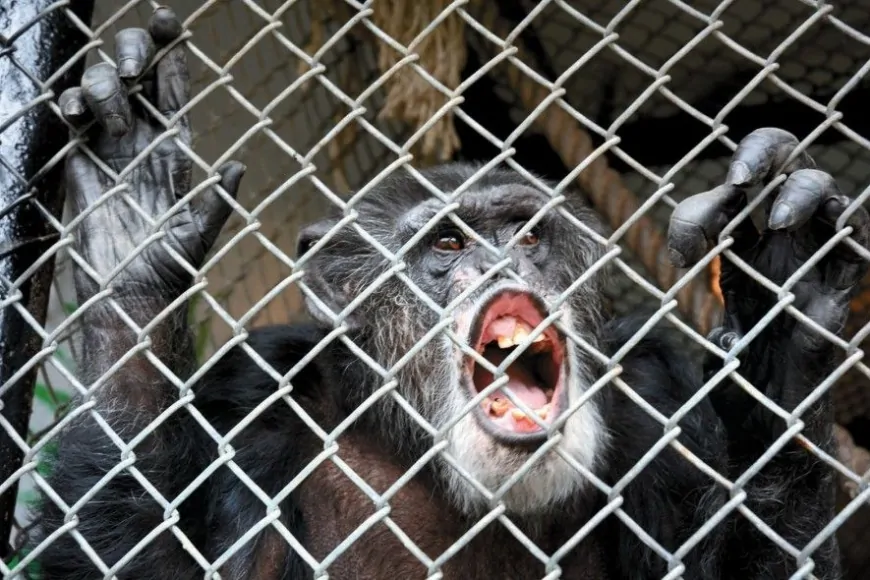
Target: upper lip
<point>476,330</point>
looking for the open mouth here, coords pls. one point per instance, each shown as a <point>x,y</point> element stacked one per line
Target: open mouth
<point>536,377</point>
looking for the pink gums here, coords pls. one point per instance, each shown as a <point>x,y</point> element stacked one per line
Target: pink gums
<point>499,319</point>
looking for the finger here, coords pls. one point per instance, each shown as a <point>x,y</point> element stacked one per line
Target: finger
<point>844,267</point>
<point>172,81</point>
<point>134,49</point>
<point>213,208</point>
<point>698,221</point>
<point>799,198</point>
<point>762,154</point>
<point>83,181</point>
<point>147,81</point>
<point>74,108</point>
<point>107,98</point>
<point>859,220</point>
<point>164,26</point>
<point>731,402</point>
<point>723,338</point>
<point>829,311</point>
<point>172,78</point>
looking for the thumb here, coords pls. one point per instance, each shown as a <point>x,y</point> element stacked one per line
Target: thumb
<point>213,207</point>
<point>231,174</point>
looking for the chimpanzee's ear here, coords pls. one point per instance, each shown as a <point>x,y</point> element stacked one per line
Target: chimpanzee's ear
<point>317,278</point>
<point>311,234</point>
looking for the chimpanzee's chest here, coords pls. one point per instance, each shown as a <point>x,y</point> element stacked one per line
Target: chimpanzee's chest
<point>388,539</point>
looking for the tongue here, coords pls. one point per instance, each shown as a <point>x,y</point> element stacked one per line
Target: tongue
<point>527,392</point>
<point>521,382</point>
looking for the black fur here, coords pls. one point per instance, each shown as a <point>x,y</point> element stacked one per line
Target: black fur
<point>185,455</point>
<point>669,499</point>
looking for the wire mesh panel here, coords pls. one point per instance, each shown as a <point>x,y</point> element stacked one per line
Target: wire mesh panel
<point>613,112</point>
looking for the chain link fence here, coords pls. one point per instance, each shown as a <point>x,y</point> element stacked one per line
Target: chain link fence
<point>637,104</point>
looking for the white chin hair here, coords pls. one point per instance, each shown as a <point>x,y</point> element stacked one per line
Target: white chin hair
<point>548,481</point>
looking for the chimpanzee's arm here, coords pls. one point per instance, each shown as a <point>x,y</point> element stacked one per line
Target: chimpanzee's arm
<point>793,491</point>
<point>670,499</point>
<point>130,393</point>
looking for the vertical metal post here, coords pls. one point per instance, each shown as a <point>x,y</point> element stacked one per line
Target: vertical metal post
<point>36,39</point>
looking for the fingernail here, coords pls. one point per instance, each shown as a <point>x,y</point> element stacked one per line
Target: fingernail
<point>677,258</point>
<point>129,67</point>
<point>781,216</point>
<point>73,108</point>
<point>165,25</point>
<point>232,169</point>
<point>235,166</point>
<point>98,84</point>
<point>116,125</point>
<point>739,173</point>
<point>72,102</point>
<point>728,340</point>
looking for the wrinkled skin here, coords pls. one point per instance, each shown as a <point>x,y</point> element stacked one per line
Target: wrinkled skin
<point>111,230</point>
<point>800,217</point>
<point>788,357</point>
<point>608,435</point>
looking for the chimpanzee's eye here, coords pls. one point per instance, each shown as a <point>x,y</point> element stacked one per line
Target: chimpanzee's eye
<point>530,238</point>
<point>450,241</point>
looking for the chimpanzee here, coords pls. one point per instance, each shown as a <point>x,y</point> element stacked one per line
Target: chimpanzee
<point>527,454</point>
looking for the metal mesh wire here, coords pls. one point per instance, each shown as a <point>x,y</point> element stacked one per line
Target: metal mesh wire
<point>663,76</point>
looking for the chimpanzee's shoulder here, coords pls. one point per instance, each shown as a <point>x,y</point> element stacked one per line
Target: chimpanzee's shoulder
<point>249,372</point>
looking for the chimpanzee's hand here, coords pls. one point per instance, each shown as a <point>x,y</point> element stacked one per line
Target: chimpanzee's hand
<point>789,359</point>
<point>112,229</point>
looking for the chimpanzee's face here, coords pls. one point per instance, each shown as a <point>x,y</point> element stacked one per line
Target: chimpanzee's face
<point>501,293</point>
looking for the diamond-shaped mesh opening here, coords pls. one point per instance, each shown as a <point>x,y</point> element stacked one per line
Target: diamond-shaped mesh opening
<point>629,108</point>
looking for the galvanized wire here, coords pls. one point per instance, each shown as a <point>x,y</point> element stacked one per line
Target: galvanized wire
<point>304,169</point>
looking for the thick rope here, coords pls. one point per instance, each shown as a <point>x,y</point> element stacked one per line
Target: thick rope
<point>441,52</point>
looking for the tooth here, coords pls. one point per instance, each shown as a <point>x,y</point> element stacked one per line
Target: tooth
<point>505,342</point>
<point>521,417</point>
<point>499,407</point>
<point>540,337</point>
<point>543,411</point>
<point>520,333</point>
